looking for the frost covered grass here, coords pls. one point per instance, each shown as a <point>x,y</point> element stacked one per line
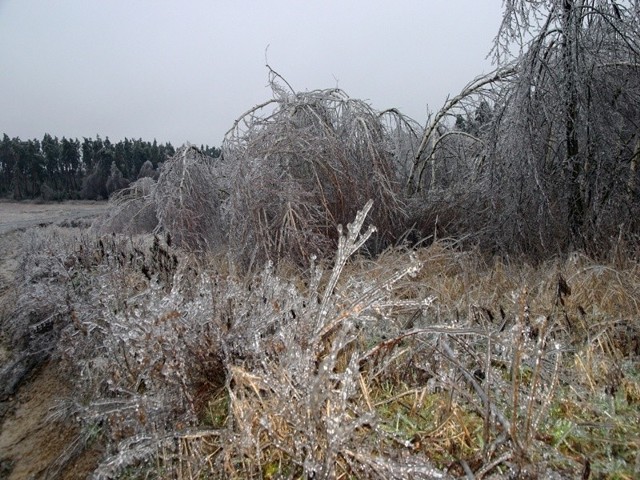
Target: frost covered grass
<point>219,323</point>
<point>418,363</point>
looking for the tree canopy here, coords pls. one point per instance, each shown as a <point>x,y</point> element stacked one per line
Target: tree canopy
<point>59,169</point>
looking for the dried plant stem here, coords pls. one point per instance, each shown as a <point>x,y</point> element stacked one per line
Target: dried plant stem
<point>506,425</point>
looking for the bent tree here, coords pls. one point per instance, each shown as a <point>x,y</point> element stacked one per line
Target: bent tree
<point>569,125</point>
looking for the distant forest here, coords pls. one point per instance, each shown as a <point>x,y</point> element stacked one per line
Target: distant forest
<point>61,169</point>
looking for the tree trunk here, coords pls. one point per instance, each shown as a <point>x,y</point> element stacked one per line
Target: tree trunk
<point>576,208</point>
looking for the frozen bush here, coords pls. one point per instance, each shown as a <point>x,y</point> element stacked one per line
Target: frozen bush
<point>151,355</point>
<point>131,211</point>
<point>187,199</point>
<point>43,302</point>
<point>302,163</point>
<point>297,388</point>
<point>184,203</point>
<point>147,170</point>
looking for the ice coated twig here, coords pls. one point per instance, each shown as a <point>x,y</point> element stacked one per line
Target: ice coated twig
<point>347,246</point>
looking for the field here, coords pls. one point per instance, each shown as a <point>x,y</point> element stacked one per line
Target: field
<point>21,215</point>
<point>142,360</point>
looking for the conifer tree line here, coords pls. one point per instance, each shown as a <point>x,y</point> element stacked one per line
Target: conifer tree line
<point>63,169</point>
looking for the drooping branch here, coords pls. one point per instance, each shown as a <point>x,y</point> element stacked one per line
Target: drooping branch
<point>421,160</point>
<point>307,162</point>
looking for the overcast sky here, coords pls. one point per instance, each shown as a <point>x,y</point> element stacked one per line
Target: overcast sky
<point>179,71</point>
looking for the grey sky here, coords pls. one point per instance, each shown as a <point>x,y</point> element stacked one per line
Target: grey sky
<point>184,70</point>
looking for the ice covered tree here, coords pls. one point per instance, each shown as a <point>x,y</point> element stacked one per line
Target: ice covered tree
<point>555,165</point>
<point>568,140</point>
<point>115,181</point>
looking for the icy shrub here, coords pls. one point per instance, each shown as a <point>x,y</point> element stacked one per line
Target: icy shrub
<point>214,374</point>
<point>147,170</point>
<point>302,163</point>
<point>187,199</point>
<point>184,203</point>
<point>298,394</point>
<point>41,309</point>
<point>131,211</point>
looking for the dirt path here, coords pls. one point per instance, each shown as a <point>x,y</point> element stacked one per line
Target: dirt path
<point>32,442</point>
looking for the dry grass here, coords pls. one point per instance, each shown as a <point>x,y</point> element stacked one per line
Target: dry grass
<point>552,349</point>
<point>429,413</point>
<point>419,363</point>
